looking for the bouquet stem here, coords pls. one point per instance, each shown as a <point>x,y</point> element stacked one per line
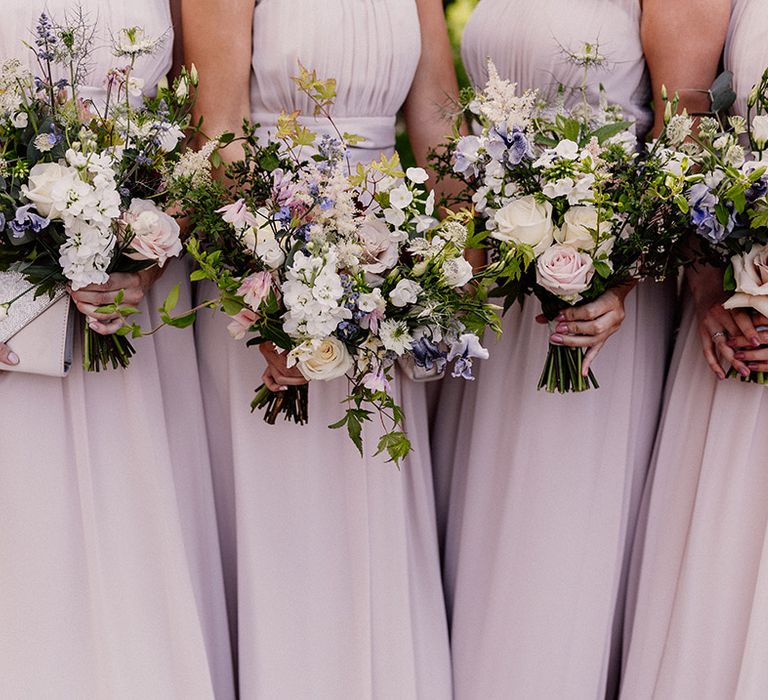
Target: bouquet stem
<point>562,371</point>
<point>753,378</point>
<point>293,403</point>
<point>105,351</point>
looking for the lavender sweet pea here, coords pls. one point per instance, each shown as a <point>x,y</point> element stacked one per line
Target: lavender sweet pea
<point>26,220</point>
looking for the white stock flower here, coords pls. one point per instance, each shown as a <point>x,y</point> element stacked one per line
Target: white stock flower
<point>400,197</point>
<point>417,175</point>
<point>372,301</point>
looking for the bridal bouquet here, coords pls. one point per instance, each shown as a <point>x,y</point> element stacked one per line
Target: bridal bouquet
<point>346,274</point>
<point>82,181</point>
<point>569,207</point>
<point>729,203</point>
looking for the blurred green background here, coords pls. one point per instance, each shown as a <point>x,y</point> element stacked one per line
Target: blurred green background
<point>457,13</point>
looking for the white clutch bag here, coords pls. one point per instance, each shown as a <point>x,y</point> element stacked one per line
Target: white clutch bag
<point>40,331</point>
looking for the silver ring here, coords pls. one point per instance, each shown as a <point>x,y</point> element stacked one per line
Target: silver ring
<point>719,334</point>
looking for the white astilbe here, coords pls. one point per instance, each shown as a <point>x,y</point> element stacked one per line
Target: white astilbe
<point>13,79</point>
<point>195,166</point>
<point>499,102</point>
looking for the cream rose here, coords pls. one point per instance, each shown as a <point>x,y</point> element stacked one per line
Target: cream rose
<point>565,272</point>
<point>379,249</point>
<point>580,227</point>
<point>324,359</point>
<point>751,273</point>
<point>40,183</point>
<point>525,221</point>
<point>155,233</point>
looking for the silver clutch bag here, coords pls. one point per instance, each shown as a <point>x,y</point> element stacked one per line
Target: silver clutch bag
<point>40,331</point>
<point>419,374</point>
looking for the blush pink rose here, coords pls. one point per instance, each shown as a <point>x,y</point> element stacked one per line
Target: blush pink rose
<point>379,249</point>
<point>241,323</point>
<point>255,288</point>
<point>565,272</point>
<point>156,235</point>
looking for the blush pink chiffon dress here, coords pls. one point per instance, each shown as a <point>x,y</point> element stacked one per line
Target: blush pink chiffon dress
<point>539,493</point>
<point>110,572</point>
<point>332,567</point>
<point>700,609</point>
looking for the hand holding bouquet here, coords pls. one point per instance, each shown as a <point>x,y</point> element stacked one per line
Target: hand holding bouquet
<point>570,208</point>
<point>82,186</point>
<point>345,273</point>
<point>729,204</point>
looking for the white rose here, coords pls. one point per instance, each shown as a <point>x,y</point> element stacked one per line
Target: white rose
<point>457,272</point>
<point>42,178</point>
<point>271,253</point>
<point>760,130</point>
<point>751,274</point>
<point>580,227</point>
<point>564,272</point>
<point>324,359</point>
<point>525,221</point>
<point>406,292</point>
<point>155,233</point>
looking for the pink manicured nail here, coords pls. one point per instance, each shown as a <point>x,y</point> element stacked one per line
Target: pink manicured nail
<point>739,355</point>
<point>744,372</point>
<point>13,358</point>
<point>562,328</point>
<point>557,339</point>
<point>560,317</point>
<point>755,342</point>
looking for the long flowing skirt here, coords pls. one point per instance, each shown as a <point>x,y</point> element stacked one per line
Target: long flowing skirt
<point>700,611</point>
<point>331,559</point>
<point>541,503</point>
<point>110,572</point>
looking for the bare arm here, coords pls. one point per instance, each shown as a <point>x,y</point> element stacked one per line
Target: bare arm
<point>683,41</point>
<point>217,39</point>
<point>433,100</point>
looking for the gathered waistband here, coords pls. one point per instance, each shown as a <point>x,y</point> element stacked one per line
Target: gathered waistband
<point>378,132</point>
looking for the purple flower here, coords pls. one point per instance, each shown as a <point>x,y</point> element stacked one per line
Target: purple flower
<point>427,354</point>
<point>466,155</point>
<point>464,350</point>
<point>508,148</point>
<point>703,214</point>
<point>759,189</point>
<point>27,220</point>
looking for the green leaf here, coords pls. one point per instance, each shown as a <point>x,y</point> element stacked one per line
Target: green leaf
<point>171,300</point>
<point>603,269</point>
<point>608,131</point>
<point>729,279</point>
<point>396,445</point>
